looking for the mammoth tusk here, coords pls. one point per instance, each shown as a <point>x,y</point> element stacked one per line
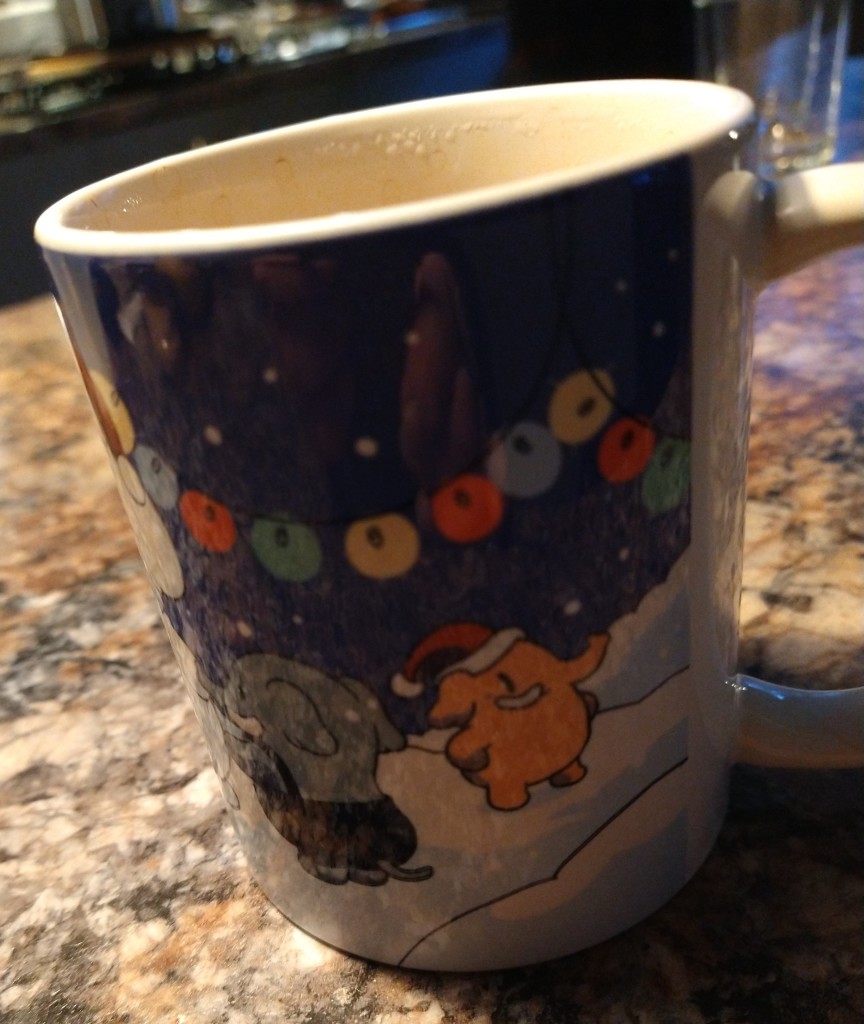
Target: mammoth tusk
<point>406,874</point>
<point>521,700</point>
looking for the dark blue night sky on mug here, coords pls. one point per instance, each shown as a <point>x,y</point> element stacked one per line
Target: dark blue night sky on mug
<point>372,438</point>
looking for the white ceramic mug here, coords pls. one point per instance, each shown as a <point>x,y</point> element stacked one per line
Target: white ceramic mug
<point>431,422</point>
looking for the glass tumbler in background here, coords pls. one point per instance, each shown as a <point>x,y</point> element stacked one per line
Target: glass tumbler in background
<point>788,56</point>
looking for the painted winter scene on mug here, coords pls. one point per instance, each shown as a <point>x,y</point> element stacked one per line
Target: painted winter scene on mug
<point>418,522</point>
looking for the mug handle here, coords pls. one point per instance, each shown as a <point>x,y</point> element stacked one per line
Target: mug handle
<point>803,215</point>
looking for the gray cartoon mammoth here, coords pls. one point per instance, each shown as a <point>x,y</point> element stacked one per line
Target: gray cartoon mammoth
<point>311,745</point>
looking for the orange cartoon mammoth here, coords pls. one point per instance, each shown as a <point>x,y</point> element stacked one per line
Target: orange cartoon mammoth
<point>521,718</point>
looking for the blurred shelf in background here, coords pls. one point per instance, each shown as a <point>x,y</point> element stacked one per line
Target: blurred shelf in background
<point>69,119</point>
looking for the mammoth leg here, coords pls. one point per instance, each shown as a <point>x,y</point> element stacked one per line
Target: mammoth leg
<point>505,792</point>
<point>574,772</point>
<point>332,873</point>
<point>463,752</point>
<point>363,843</point>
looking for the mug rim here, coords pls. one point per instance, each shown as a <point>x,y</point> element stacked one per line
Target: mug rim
<point>725,109</point>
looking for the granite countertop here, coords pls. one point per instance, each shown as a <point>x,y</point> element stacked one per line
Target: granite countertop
<point>124,894</point>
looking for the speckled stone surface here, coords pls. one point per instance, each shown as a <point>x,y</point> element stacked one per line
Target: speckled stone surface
<point>123,894</point>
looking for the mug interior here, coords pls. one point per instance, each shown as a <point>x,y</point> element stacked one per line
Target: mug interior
<point>387,166</point>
